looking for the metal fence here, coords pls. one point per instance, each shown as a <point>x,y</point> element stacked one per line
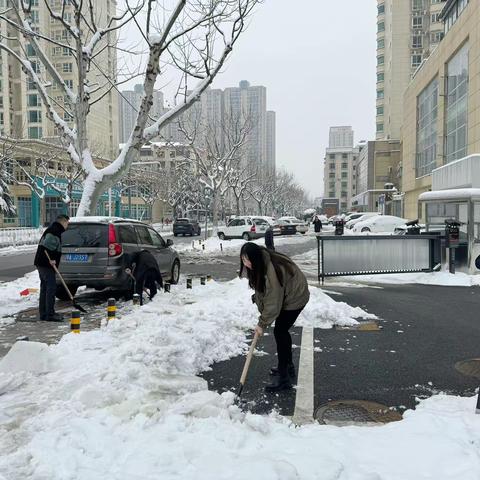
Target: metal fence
<point>13,237</point>
<point>364,255</point>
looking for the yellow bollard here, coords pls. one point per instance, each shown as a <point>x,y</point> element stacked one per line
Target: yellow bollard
<point>75,322</point>
<point>111,309</point>
<point>136,299</point>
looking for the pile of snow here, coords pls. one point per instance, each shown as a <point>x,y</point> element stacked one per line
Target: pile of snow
<point>113,396</point>
<point>10,300</point>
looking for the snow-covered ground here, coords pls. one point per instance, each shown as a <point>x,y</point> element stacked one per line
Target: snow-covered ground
<point>214,246</point>
<point>18,249</point>
<point>123,402</point>
<point>10,300</point>
<point>308,262</point>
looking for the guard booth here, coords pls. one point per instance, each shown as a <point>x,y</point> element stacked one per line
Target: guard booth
<point>455,195</point>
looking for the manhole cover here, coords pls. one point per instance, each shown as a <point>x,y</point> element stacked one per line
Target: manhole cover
<point>470,368</point>
<point>355,412</point>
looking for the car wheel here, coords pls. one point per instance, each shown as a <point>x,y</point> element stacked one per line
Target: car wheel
<point>246,236</point>
<point>62,294</point>
<point>365,229</point>
<point>221,236</point>
<point>175,272</point>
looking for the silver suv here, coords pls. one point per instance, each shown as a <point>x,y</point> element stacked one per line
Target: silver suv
<point>97,250</point>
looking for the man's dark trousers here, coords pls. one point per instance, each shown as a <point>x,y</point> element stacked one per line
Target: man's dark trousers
<point>48,288</point>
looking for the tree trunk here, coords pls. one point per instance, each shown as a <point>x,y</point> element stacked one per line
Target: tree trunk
<point>214,210</point>
<point>237,201</point>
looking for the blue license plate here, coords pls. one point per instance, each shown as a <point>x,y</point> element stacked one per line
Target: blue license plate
<point>76,257</point>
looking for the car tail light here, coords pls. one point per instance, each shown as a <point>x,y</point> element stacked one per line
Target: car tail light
<point>253,229</point>
<point>114,248</point>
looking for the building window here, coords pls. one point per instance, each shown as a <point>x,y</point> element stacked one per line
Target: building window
<point>332,166</point>
<point>417,4</point>
<point>416,60</point>
<point>381,9</point>
<point>456,106</point>
<point>380,77</point>
<point>344,155</point>
<point>381,27</point>
<point>379,127</point>
<point>380,110</point>
<point>344,174</point>
<point>331,175</point>
<point>380,60</point>
<point>67,68</point>
<point>417,41</point>
<point>331,156</point>
<point>344,184</point>
<point>427,118</point>
<point>436,37</point>
<point>34,116</point>
<point>381,43</point>
<point>69,83</point>
<point>380,94</point>
<point>331,194</point>
<point>331,185</point>
<point>435,17</point>
<point>417,22</point>
<point>35,132</point>
<point>33,100</point>
<point>344,166</point>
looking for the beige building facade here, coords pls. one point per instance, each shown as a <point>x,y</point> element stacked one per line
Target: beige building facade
<point>441,121</point>
<point>408,31</point>
<point>22,114</point>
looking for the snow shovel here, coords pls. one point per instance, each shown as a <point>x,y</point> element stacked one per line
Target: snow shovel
<point>74,303</point>
<point>243,378</point>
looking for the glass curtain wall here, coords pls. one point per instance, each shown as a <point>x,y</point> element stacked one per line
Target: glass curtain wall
<point>456,106</point>
<point>427,117</point>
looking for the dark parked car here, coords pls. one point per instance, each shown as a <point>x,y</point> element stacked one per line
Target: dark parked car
<point>185,226</point>
<point>97,250</point>
<point>286,228</point>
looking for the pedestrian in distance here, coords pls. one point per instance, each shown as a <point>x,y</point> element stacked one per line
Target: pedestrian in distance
<point>269,244</point>
<point>281,293</point>
<point>317,224</point>
<point>50,243</point>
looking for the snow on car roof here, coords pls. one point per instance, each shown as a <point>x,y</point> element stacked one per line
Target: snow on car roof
<point>101,219</point>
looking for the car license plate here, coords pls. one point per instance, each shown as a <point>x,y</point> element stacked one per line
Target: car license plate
<point>76,257</point>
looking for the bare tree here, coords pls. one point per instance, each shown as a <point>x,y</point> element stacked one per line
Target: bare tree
<point>193,39</point>
<point>263,193</point>
<point>239,181</point>
<point>218,149</point>
<point>7,206</point>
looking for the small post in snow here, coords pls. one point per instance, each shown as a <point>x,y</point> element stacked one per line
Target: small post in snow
<point>136,299</point>
<point>166,287</point>
<point>111,309</point>
<point>221,247</point>
<point>477,411</point>
<point>75,322</point>
<point>203,280</point>
<point>189,283</point>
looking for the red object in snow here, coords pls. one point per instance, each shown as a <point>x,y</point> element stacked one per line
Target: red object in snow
<point>28,291</point>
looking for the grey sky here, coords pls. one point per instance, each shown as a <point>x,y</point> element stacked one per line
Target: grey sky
<point>317,60</point>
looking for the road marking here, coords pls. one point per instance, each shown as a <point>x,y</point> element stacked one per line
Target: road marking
<point>303,413</point>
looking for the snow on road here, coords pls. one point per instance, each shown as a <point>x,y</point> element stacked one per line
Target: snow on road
<point>111,404</point>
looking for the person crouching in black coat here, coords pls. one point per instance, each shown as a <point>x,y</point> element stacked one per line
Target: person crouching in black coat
<point>146,273</point>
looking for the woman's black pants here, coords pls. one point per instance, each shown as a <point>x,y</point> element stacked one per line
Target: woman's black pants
<point>283,323</point>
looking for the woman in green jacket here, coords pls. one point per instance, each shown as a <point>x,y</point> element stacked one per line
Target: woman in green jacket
<point>281,293</point>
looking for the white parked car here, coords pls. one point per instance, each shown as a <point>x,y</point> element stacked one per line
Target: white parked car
<point>360,217</point>
<point>302,227</point>
<point>379,224</point>
<point>248,228</point>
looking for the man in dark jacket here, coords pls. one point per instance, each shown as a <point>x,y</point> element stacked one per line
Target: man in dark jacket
<point>317,223</point>
<point>146,274</point>
<point>51,243</point>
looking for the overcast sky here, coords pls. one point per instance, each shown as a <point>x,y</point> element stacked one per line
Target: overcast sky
<point>317,59</point>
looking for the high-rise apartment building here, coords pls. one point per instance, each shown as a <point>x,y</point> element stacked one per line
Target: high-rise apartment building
<point>340,167</point>
<point>217,109</point>
<point>408,31</point>
<point>129,104</point>
<point>340,137</point>
<point>22,114</point>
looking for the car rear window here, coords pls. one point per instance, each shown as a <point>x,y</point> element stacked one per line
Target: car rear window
<point>85,235</point>
<point>260,221</point>
<point>182,220</point>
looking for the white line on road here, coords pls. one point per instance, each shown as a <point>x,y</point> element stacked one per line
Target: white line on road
<point>304,398</point>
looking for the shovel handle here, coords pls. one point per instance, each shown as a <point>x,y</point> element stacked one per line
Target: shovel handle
<point>249,359</point>
<point>60,276</point>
